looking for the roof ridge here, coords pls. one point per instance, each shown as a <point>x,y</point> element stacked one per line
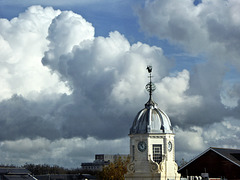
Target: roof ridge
<point>224,148</point>
<point>215,149</point>
<point>196,157</point>
<point>235,161</point>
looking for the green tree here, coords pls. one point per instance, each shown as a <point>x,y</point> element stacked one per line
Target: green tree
<point>115,170</point>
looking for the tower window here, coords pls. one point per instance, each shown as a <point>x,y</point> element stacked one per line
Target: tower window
<point>157,153</point>
<point>133,152</point>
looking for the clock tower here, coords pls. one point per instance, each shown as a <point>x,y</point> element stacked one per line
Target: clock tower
<point>152,147</point>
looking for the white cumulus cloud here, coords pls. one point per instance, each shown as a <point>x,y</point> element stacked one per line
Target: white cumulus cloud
<point>69,92</point>
<point>24,41</point>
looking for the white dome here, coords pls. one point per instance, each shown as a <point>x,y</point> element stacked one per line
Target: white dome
<point>151,120</point>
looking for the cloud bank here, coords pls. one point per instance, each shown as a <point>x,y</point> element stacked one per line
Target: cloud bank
<point>208,29</point>
<point>66,92</point>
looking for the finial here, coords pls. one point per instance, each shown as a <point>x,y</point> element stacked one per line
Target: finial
<point>150,86</point>
<point>149,68</point>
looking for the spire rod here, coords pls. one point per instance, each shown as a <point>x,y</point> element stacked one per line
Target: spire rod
<point>150,87</point>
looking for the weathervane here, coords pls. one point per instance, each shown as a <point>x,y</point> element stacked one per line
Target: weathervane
<point>150,87</point>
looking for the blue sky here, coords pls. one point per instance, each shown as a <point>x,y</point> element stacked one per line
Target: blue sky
<point>73,75</point>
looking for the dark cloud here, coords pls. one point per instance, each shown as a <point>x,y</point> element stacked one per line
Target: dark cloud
<point>20,118</point>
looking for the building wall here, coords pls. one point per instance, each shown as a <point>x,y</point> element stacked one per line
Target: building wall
<point>213,164</point>
<point>143,166</point>
<point>101,160</point>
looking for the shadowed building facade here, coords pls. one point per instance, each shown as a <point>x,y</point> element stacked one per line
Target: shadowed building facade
<point>152,147</point>
<point>216,163</point>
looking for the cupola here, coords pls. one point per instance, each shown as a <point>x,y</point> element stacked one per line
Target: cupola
<point>151,119</point>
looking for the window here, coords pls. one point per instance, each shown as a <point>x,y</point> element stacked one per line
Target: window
<point>157,153</point>
<point>99,157</point>
<point>133,152</point>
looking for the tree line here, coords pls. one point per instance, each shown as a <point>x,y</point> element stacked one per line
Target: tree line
<point>41,169</point>
<point>115,170</point>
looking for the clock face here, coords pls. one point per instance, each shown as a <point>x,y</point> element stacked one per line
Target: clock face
<point>142,146</point>
<point>169,146</point>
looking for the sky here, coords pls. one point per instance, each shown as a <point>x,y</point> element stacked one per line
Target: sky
<point>73,76</point>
